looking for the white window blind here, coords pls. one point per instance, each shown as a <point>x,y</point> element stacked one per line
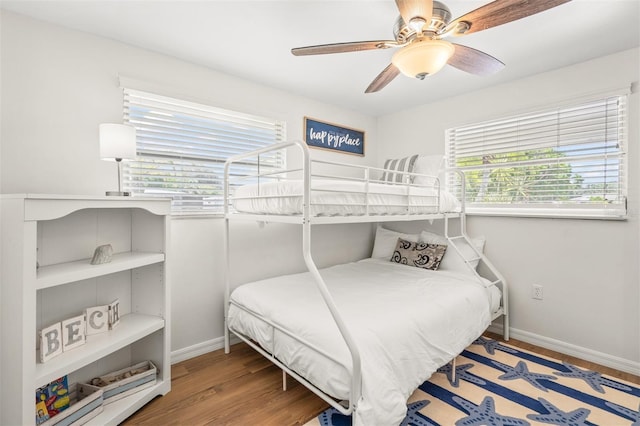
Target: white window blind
<point>182,147</point>
<point>567,161</point>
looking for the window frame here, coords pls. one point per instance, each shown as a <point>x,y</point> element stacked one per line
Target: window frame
<point>561,208</point>
<point>188,142</point>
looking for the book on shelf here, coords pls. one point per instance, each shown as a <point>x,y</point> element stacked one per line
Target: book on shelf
<point>52,399</point>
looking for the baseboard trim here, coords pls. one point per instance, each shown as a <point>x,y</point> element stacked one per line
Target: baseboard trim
<point>200,349</point>
<point>586,354</point>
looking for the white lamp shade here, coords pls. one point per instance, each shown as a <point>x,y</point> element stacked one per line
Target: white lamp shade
<point>423,57</point>
<point>117,141</point>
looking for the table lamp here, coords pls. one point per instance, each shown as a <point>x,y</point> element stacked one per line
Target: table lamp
<point>117,143</point>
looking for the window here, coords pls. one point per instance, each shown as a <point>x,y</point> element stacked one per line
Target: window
<point>568,161</point>
<point>182,147</point>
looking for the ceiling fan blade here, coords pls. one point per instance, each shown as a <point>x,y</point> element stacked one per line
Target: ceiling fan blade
<point>410,9</point>
<point>474,61</point>
<point>501,12</point>
<point>384,78</point>
<point>355,46</point>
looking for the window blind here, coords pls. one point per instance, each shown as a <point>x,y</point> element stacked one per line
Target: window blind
<point>567,161</point>
<point>182,147</point>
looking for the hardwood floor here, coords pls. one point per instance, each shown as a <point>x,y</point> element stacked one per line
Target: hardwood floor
<point>243,388</point>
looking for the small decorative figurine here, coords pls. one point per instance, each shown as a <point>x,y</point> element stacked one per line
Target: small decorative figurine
<point>102,254</point>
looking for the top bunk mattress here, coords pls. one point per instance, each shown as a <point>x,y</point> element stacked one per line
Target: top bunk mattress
<point>343,198</point>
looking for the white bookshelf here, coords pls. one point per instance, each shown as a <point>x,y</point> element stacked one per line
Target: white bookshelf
<point>60,233</point>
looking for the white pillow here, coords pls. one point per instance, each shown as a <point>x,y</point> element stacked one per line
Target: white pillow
<point>452,261</point>
<point>386,240</point>
<point>429,165</point>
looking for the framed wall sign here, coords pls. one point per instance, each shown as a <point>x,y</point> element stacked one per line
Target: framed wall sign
<point>318,134</point>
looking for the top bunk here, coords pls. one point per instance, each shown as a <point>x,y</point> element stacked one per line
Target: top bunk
<point>256,187</point>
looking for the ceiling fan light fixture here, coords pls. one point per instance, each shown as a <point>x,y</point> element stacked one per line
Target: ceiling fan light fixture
<point>417,24</point>
<point>423,57</point>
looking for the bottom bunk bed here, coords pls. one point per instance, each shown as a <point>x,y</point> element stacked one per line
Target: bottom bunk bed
<point>406,321</point>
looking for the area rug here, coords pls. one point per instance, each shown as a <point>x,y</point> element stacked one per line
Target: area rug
<point>497,384</point>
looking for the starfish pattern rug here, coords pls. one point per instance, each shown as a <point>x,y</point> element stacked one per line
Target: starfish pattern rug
<point>496,384</point>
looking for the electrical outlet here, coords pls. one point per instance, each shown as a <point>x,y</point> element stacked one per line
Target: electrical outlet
<point>536,291</point>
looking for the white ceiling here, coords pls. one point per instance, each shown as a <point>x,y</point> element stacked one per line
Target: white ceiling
<point>252,40</point>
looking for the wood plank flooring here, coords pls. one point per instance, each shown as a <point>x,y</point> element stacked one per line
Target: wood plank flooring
<point>243,389</point>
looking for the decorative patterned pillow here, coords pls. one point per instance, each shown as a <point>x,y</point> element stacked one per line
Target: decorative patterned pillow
<point>395,169</point>
<point>420,255</point>
<point>404,252</point>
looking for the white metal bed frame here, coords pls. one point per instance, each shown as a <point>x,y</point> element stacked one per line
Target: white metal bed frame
<point>306,219</point>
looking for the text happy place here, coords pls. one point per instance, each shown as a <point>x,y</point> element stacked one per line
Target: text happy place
<point>335,140</point>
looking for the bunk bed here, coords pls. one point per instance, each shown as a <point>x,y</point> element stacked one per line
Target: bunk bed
<point>344,332</point>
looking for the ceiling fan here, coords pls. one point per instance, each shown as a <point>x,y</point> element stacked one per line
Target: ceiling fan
<point>419,32</point>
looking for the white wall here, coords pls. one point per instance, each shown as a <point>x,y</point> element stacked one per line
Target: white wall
<point>58,85</point>
<point>589,268</point>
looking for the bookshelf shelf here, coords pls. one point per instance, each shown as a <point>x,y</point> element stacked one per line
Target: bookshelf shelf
<point>117,411</point>
<point>64,273</point>
<point>132,327</point>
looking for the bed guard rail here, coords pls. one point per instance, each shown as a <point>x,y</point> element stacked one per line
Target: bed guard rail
<point>364,192</point>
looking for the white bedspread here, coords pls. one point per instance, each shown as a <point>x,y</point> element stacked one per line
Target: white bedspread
<point>406,321</point>
<point>383,199</point>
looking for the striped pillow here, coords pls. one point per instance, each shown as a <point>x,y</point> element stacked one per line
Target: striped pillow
<point>395,169</point>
